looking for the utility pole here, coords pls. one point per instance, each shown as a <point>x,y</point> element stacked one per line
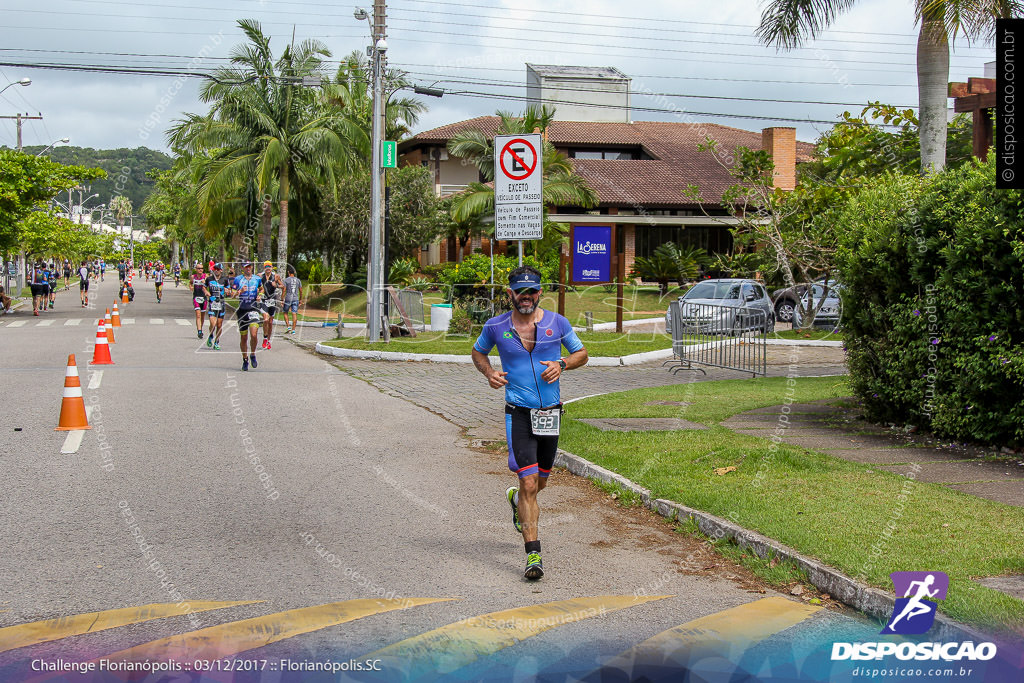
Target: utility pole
<point>21,254</point>
<point>20,118</point>
<point>375,273</point>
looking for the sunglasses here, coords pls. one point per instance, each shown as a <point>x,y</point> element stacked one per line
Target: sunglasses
<point>527,290</point>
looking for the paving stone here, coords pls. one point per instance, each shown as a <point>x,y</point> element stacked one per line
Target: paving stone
<point>641,424</point>
<point>872,456</point>
<point>1009,492</point>
<point>1011,585</point>
<point>956,471</point>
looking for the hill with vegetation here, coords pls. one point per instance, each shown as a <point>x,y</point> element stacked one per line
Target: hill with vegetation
<point>126,171</point>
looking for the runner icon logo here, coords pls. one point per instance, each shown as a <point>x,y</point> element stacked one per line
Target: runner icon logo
<point>914,612</point>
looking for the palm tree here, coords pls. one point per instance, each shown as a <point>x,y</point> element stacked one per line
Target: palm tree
<point>352,93</point>
<point>264,126</point>
<point>786,23</point>
<point>562,187</point>
<point>122,208</point>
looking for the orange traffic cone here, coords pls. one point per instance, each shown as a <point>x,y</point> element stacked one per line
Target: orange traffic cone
<point>72,407</point>
<point>101,353</point>
<point>124,296</point>
<point>115,317</point>
<point>108,327</point>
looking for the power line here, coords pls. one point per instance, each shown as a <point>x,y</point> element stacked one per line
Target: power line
<point>434,12</point>
<point>562,88</point>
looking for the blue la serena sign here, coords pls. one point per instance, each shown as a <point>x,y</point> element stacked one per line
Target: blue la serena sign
<point>592,253</point>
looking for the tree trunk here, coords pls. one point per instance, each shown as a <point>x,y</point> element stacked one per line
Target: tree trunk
<point>174,252</point>
<point>282,234</point>
<point>932,84</point>
<point>266,217</point>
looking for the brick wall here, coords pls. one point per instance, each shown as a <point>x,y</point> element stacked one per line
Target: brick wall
<point>629,246</point>
<point>781,144</point>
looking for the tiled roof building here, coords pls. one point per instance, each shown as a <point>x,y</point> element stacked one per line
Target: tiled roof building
<point>640,170</point>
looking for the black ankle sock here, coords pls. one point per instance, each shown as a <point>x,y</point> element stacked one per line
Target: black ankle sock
<point>533,546</point>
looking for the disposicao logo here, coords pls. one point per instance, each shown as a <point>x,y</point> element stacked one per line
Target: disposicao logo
<point>914,613</point>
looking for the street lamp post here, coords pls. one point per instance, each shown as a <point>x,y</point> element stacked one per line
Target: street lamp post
<point>375,271</point>
<point>65,141</point>
<point>23,82</point>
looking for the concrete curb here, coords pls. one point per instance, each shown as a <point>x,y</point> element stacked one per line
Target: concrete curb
<point>870,601</point>
<point>597,361</point>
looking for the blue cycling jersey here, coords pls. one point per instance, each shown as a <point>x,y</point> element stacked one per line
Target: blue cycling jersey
<point>249,289</point>
<point>525,387</point>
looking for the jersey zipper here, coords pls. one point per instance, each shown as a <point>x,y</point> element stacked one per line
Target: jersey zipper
<point>533,366</point>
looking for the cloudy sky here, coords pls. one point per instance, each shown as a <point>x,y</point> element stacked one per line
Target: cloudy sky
<point>705,51</point>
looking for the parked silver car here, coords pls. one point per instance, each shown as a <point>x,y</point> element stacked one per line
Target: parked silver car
<point>831,310</point>
<point>726,306</point>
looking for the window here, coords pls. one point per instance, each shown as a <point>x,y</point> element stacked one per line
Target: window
<point>712,239</point>
<point>619,154</point>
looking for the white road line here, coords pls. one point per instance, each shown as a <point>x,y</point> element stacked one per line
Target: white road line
<point>156,321</point>
<point>95,377</point>
<point>44,323</point>
<point>72,322</point>
<point>183,321</point>
<point>17,323</point>
<point>74,437</point>
<point>127,321</point>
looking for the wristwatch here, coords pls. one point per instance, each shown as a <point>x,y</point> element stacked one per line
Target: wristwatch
<point>561,362</point>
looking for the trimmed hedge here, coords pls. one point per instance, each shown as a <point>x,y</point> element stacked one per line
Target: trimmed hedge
<point>933,307</point>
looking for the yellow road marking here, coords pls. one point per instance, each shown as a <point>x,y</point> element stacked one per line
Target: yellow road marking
<point>36,632</point>
<point>225,640</point>
<point>724,633</point>
<point>451,647</point>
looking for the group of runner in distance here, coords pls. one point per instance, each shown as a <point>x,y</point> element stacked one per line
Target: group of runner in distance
<point>259,300</point>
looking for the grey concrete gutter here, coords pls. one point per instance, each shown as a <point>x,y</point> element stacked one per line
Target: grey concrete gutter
<point>871,601</point>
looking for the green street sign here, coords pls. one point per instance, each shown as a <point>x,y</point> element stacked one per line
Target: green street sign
<point>389,154</point>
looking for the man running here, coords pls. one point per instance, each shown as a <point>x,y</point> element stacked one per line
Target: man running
<point>177,274</point>
<point>83,284</point>
<point>158,280</point>
<point>216,286</point>
<point>67,274</point>
<point>271,283</point>
<point>529,341</point>
<point>247,288</point>
<point>121,268</point>
<point>103,268</point>
<point>292,290</point>
<point>199,298</point>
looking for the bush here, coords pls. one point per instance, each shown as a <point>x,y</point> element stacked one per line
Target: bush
<point>933,304</point>
<point>462,321</point>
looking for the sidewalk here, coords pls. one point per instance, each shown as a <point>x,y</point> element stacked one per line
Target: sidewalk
<point>839,432</point>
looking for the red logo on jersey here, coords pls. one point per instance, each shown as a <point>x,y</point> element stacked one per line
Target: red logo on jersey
<point>548,332</point>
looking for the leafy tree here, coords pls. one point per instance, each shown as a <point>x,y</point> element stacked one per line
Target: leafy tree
<point>27,184</point>
<point>415,217</point>
<point>857,148</point>
<point>786,23</point>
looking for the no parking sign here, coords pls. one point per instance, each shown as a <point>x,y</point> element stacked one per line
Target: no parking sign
<point>518,203</point>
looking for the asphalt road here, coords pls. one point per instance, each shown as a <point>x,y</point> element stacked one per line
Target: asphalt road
<point>357,496</point>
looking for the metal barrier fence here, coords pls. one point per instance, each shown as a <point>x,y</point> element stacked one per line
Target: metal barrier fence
<point>718,336</point>
<point>411,302</point>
